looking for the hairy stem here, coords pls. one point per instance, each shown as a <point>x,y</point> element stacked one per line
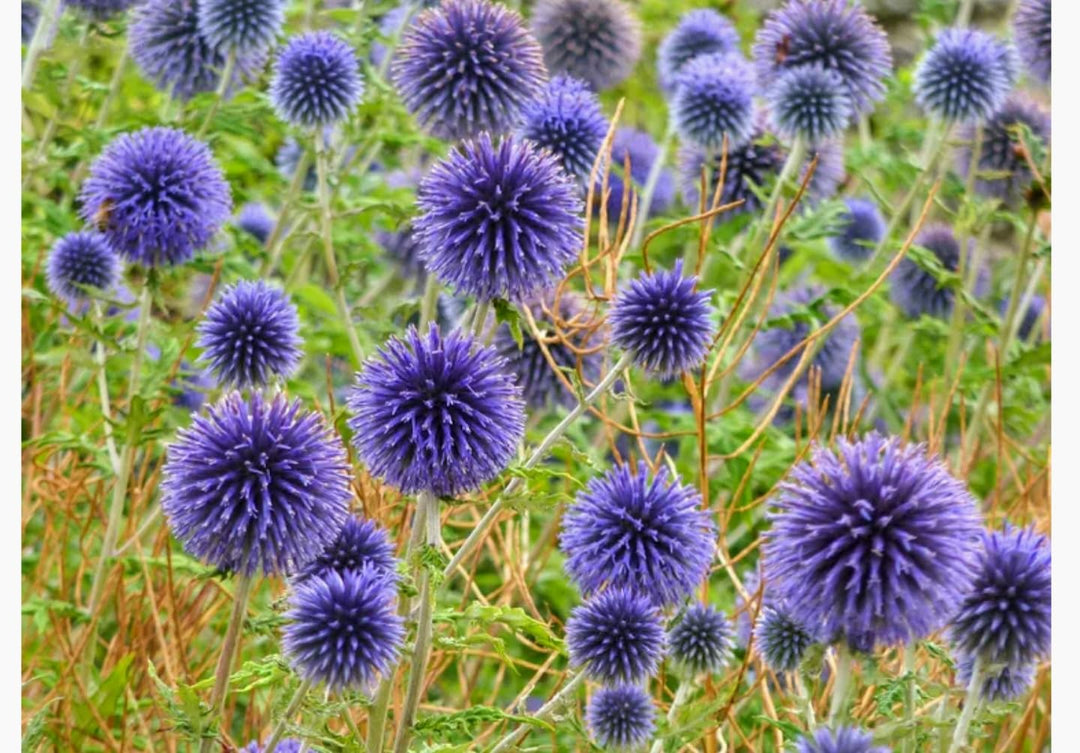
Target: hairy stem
<point>290,712</point>
<point>222,91</point>
<point>971,704</point>
<point>229,648</point>
<point>841,685</point>
<point>682,695</point>
<point>546,712</point>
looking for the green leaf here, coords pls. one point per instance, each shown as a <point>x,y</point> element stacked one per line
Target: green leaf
<point>463,722</point>
<point>505,313</point>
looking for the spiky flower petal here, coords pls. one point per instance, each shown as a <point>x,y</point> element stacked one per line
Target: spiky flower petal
<point>241,25</point>
<point>255,220</point>
<point>361,543</point>
<point>701,641</point>
<point>780,640</point>
<point>621,717</point>
<point>79,261</point>
<point>616,636</point>
<point>317,80</point>
<point>597,41</point>
<point>714,98</point>
<point>1002,683</point>
<point>1031,27</point>
<point>811,103</point>
<point>916,290</point>
<point>701,31</point>
<point>1004,171</point>
<point>861,230</point>
<point>839,740</point>
<point>965,76</point>
<point>566,119</point>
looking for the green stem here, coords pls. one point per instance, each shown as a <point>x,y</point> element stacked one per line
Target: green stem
<point>653,179</point>
<point>222,91</point>
<point>290,712</point>
<point>47,20</point>
<point>546,713</point>
<point>377,715</point>
<point>229,648</point>
<point>103,391</point>
<point>909,695</point>
<point>841,685</point>
<point>971,704</point>
<point>430,301</point>
<point>805,699</point>
<point>275,244</point>
<point>480,315</point>
<point>682,695</point>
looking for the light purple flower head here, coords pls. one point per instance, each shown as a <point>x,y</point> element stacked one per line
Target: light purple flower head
<point>965,76</point>
<point>567,120</point>
<point>361,543</point>
<point>714,98</point>
<point>241,25</point>
<point>1031,27</point>
<point>916,290</point>
<point>862,228</point>
<point>81,261</point>
<point>702,31</point>
<point>616,636</point>
<point>255,220</point>
<point>839,740</point>
<point>317,80</point>
<point>597,41</point>
<point>811,103</point>
<point>701,641</point>
<point>621,717</point>
<point>1004,171</point>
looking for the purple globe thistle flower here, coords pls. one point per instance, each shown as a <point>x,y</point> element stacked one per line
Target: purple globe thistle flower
<point>714,97</point>
<point>157,195</point>
<point>241,25</point>
<point>642,151</point>
<point>288,157</point>
<point>255,220</point>
<point>752,164</point>
<point>566,119</point>
<point>1005,616</point>
<point>597,41</point>
<point>169,50</point>
<point>649,536</point>
<point>966,75</point>
<point>256,485</point>
<point>862,228</point>
<point>466,67</point>
<point>344,628</point>
<point>251,335</point>
<point>436,414</point>
<point>191,386</point>
<point>838,35</point>
<point>30,14</point>
<point>317,80</point>
<point>540,386</point>
<point>79,261</point>
<point>810,102</point>
<point>916,290</point>
<point>616,636</point>
<point>664,321</point>
<point>1001,157</point>
<point>701,641</point>
<point>621,717</point>
<point>873,544</point>
<point>498,220</point>
<point>1031,27</point>
<point>361,543</point>
<point>780,640</point>
<point>840,740</point>
<point>100,10</point>
<point>1007,683</point>
<point>701,31</point>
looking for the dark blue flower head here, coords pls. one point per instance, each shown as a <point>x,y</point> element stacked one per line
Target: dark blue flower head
<point>701,31</point>
<point>873,544</point>
<point>1005,616</point>
<point>701,641</point>
<point>100,10</point>
<point>498,220</point>
<point>566,119</point>
<point>241,25</point>
<point>639,148</point>
<point>714,97</point>
<point>780,640</point>
<point>621,717</point>
<point>1002,683</point>
<point>664,321</point>
<point>1031,27</point>
<point>840,740</point>
<point>157,195</point>
<point>30,14</point>
<point>616,636</point>
<point>468,66</point>
<point>838,35</point>
<point>647,535</point>
<point>436,414</point>
<point>1003,171</point>
<point>79,261</point>
<point>916,290</point>
<point>810,102</point>
<point>862,228</point>
<point>317,80</point>
<point>539,384</point>
<point>255,220</point>
<point>361,543</point>
<point>597,41</point>
<point>250,335</point>
<point>168,48</point>
<point>966,75</point>
<point>754,163</point>
<point>344,630</point>
<point>256,484</point>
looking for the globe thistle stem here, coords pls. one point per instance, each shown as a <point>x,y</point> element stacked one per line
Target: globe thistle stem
<point>479,317</point>
<point>289,713</point>
<point>682,695</point>
<point>647,192</point>
<point>541,451</point>
<point>219,96</point>
<point>430,300</point>
<point>275,244</point>
<point>50,14</point>
<point>546,712</point>
<point>391,46</point>
<point>971,705</point>
<point>103,392</point>
<point>909,695</point>
<point>842,684</point>
<point>114,87</point>
<point>229,649</point>
<point>791,166</point>
<point>804,698</point>
<point>377,715</point>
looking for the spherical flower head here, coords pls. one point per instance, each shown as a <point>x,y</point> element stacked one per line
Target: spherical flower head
<point>256,484</point>
<point>639,148</point>
<point>1005,616</point>
<point>965,76</point>
<point>1031,28</point>
<point>1003,170</point>
<point>914,289</point>
<point>540,386</point>
<point>780,640</point>
<point>810,102</point>
<point>157,195</point>
<point>344,630</point>
<point>872,544</point>
<point>467,66</point>
<point>436,414</point>
<point>361,543</point>
<point>664,321</point>
<point>648,535</point>
<point>251,335</point>
<point>701,641</point>
<point>862,228</point>
<point>317,80</point>
<point>499,220</point>
<point>241,25</point>
<point>839,740</point>
<point>1003,683</point>
<point>621,717</point>
<point>616,636</point>
<point>169,50</point>
<point>701,31</point>
<point>714,98</point>
<point>255,220</point>
<point>598,41</point>
<point>79,261</point>
<point>100,10</point>
<point>755,163</point>
<point>566,119</point>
